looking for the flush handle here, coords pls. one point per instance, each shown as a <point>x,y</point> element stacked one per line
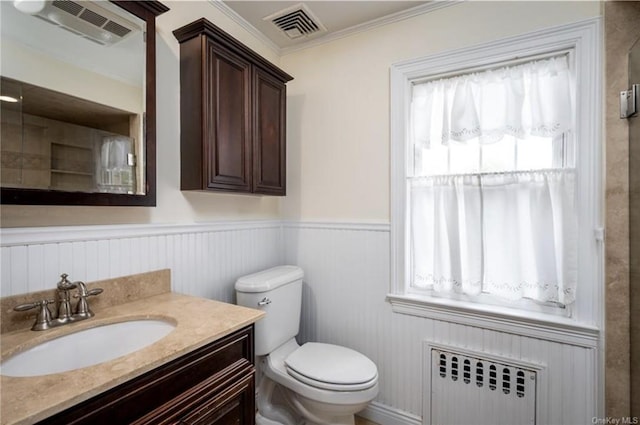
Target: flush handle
<point>264,301</point>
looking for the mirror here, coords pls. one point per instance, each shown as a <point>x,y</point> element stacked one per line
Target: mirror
<point>78,102</point>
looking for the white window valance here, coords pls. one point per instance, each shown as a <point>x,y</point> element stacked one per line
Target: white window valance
<point>532,99</point>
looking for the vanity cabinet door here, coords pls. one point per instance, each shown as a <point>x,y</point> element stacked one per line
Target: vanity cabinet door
<point>227,398</point>
<point>234,406</point>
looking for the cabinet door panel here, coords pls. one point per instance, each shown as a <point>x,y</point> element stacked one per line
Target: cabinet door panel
<point>235,406</point>
<point>228,144</point>
<point>269,134</point>
<point>217,400</point>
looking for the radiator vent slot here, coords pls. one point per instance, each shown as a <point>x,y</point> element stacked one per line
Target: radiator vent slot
<point>296,22</point>
<point>467,389</point>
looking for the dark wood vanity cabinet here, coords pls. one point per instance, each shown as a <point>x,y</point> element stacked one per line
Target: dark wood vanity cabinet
<point>214,384</point>
<point>232,114</point>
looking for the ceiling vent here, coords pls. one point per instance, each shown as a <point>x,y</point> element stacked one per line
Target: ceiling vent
<point>88,20</point>
<point>296,21</point>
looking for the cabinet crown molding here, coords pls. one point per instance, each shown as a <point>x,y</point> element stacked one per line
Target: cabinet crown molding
<point>203,27</point>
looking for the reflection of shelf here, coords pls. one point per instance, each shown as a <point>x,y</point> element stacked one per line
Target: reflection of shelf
<point>69,145</point>
<point>77,173</point>
<point>72,161</point>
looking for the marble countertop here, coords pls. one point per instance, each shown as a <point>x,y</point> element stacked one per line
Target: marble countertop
<point>198,322</point>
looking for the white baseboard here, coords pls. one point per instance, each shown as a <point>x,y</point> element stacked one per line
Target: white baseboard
<point>385,415</point>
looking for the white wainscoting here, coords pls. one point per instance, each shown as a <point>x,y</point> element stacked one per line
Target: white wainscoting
<point>346,283</point>
<point>344,302</point>
<point>205,259</point>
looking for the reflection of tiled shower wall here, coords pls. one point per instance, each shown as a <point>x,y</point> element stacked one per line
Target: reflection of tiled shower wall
<point>44,153</point>
<point>26,157</point>
<point>621,31</point>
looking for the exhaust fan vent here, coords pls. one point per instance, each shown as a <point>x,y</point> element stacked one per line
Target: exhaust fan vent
<point>89,20</point>
<point>68,6</point>
<point>296,21</point>
<point>117,29</point>
<point>93,18</point>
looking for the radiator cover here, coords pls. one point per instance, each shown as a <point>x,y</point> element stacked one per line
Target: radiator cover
<point>472,389</point>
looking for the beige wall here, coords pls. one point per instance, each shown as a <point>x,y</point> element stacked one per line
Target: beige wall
<point>173,206</point>
<point>338,116</point>
<point>338,158</point>
<point>338,133</point>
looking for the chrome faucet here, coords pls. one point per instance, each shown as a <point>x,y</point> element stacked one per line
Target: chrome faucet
<point>65,314</point>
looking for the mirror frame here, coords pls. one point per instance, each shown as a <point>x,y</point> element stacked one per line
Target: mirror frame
<point>147,11</point>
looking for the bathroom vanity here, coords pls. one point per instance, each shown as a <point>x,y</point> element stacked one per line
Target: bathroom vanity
<point>202,372</point>
<point>211,385</point>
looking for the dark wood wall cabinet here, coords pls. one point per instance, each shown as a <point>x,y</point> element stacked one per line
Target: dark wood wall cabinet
<point>232,114</point>
<point>211,385</point>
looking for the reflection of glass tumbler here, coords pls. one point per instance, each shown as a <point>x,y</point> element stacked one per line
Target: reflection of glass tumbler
<point>116,174</point>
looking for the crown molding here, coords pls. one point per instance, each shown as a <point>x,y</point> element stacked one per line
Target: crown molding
<point>374,23</point>
<point>230,13</point>
<point>365,26</point>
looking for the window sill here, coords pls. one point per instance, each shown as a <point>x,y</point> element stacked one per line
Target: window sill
<point>532,324</point>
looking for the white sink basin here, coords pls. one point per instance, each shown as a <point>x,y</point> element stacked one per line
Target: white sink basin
<point>85,348</point>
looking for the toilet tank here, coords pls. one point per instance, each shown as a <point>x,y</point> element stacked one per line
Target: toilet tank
<point>277,292</point>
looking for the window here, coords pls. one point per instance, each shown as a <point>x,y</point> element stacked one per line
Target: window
<point>491,208</point>
<point>495,177</point>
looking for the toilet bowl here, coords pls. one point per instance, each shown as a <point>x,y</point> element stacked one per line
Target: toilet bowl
<point>317,383</point>
<point>309,387</point>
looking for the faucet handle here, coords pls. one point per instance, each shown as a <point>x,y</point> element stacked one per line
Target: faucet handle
<point>82,308</point>
<point>29,306</point>
<point>96,291</point>
<point>90,293</point>
<point>43,320</point>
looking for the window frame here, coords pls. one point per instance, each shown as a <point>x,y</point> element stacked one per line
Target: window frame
<point>583,40</point>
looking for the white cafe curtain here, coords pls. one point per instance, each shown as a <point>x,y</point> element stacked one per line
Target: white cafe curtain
<point>511,234</point>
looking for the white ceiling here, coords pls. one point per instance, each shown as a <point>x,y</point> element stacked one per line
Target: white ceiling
<point>340,18</point>
<point>122,61</point>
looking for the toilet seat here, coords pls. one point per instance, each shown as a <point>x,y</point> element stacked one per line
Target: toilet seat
<point>331,367</point>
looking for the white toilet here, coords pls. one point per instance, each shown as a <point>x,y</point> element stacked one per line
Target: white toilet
<point>317,383</point>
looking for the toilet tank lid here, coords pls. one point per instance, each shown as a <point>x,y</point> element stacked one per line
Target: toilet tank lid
<point>267,280</point>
